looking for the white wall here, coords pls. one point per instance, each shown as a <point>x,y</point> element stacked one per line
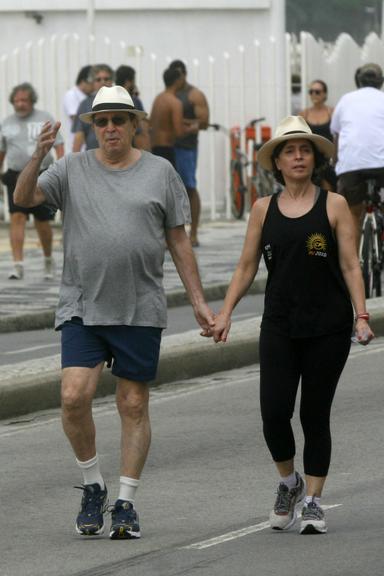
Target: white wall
<point>226,44</point>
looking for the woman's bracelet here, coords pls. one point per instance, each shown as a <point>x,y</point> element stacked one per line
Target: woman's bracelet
<point>363,316</point>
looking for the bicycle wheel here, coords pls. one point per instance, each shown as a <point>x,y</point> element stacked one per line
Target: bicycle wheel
<point>367,259</point>
<point>264,182</point>
<point>237,189</point>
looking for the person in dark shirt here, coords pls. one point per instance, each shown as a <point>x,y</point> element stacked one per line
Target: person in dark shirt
<point>306,237</point>
<point>84,135</point>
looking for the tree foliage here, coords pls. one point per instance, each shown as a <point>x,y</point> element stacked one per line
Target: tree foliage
<point>327,19</point>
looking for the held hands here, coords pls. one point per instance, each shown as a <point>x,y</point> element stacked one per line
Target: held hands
<point>219,329</point>
<point>363,332</point>
<point>46,140</point>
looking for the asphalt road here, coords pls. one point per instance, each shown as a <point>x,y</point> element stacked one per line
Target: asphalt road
<point>20,346</point>
<point>207,488</point>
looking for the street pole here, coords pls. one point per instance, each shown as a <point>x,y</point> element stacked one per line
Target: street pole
<point>90,28</point>
<point>278,43</point>
<point>382,20</point>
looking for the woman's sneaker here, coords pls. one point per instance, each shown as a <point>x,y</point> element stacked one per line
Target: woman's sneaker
<point>284,515</point>
<point>125,521</point>
<point>313,519</point>
<point>90,520</point>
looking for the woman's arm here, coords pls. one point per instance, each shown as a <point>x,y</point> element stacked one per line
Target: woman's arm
<point>246,269</point>
<point>341,219</point>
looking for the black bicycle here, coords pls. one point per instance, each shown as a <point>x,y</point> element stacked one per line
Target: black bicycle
<point>371,240</point>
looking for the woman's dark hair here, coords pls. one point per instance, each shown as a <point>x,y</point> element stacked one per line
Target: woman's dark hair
<point>321,163</point>
<point>323,84</point>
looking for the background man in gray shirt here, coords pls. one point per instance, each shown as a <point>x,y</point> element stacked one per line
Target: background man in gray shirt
<point>18,136</point>
<point>121,208</point>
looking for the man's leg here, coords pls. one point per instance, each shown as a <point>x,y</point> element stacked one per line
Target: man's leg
<point>194,200</point>
<point>44,231</point>
<point>78,389</point>
<point>132,399</point>
<point>17,235</point>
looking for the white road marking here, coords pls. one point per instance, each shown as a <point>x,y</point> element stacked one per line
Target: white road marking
<point>239,533</point>
<point>31,349</point>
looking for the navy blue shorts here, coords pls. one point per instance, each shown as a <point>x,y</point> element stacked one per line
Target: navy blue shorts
<point>132,351</point>
<point>186,164</point>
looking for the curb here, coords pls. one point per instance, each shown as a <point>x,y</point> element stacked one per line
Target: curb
<point>183,356</point>
<point>42,319</point>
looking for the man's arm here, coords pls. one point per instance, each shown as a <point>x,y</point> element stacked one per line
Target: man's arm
<point>2,156</point>
<point>27,193</point>
<point>201,108</point>
<point>182,254</point>
<point>336,144</point>
<point>59,149</point>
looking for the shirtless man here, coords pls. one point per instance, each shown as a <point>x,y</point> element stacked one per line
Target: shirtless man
<point>195,108</point>
<point>166,120</point>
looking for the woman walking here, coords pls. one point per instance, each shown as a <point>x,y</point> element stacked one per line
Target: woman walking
<point>305,235</point>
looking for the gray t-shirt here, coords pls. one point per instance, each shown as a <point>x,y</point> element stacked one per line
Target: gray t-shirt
<point>18,138</point>
<point>114,225</point>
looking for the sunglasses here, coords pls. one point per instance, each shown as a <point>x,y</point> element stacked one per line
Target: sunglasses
<point>313,91</point>
<point>103,79</point>
<point>116,121</point>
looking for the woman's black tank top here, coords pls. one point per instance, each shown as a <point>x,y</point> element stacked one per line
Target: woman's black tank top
<point>322,129</point>
<point>306,295</point>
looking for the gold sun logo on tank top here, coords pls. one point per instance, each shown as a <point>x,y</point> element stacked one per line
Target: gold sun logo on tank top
<point>317,245</point>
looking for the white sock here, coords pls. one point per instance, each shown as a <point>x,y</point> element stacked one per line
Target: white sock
<point>314,499</point>
<point>290,481</point>
<point>91,471</point>
<point>128,487</point>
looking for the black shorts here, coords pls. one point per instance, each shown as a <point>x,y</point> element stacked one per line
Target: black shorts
<point>134,349</point>
<point>353,185</point>
<point>42,212</point>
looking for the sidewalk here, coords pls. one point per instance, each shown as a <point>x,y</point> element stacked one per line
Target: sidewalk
<point>30,303</point>
<point>35,385</point>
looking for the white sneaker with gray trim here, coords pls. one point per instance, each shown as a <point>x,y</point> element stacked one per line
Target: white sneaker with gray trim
<point>49,268</point>
<point>17,272</point>
<point>313,519</point>
<point>284,514</point>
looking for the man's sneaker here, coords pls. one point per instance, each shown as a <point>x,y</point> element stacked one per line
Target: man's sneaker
<point>312,519</point>
<point>125,521</point>
<point>90,521</point>
<point>17,272</point>
<point>284,515</point>
<point>49,268</point>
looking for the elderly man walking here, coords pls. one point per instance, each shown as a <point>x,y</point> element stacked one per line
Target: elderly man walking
<point>18,136</point>
<point>121,208</point>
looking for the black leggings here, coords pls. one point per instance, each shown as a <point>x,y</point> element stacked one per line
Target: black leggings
<point>319,363</point>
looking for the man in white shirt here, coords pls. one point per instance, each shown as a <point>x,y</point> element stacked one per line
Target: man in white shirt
<point>72,99</point>
<point>358,127</point>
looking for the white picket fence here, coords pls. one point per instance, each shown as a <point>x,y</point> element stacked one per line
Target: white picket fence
<point>239,86</point>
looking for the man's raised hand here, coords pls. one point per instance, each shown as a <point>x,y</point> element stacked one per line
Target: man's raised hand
<point>46,139</point>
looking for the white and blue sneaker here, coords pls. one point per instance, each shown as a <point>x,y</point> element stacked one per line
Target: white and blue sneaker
<point>90,520</point>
